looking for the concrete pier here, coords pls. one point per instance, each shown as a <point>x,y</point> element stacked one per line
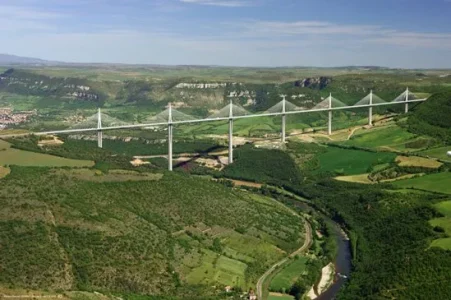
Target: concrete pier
<point>170,136</point>
<point>231,133</point>
<point>329,125</point>
<point>370,110</point>
<point>406,107</point>
<point>284,119</point>
<point>99,129</point>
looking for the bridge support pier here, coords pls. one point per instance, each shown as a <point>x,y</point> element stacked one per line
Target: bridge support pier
<point>170,147</point>
<point>170,136</point>
<point>231,132</point>
<point>370,111</point>
<point>100,139</point>
<point>230,141</point>
<point>406,107</point>
<point>99,129</point>
<point>284,119</point>
<point>329,124</point>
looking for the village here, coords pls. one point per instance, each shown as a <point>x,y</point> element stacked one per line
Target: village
<point>9,117</point>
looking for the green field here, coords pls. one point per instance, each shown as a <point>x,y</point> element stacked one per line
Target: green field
<point>288,275</point>
<point>216,268</point>
<point>351,162</point>
<point>280,297</point>
<point>388,138</point>
<point>445,223</point>
<point>439,182</point>
<point>439,153</point>
<point>10,156</point>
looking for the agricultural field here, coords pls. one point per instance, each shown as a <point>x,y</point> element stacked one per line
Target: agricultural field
<point>444,223</point>
<point>416,161</point>
<point>439,153</point>
<point>351,162</point>
<point>439,183</point>
<point>216,268</point>
<point>10,156</point>
<point>4,172</point>
<point>388,138</point>
<point>288,275</point>
<point>274,296</point>
<point>360,178</point>
<point>111,176</point>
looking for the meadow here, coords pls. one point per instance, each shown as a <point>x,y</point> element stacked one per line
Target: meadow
<point>10,156</point>
<point>439,153</point>
<point>444,223</point>
<point>385,138</point>
<point>351,162</point>
<point>279,297</point>
<point>285,279</point>
<point>439,183</point>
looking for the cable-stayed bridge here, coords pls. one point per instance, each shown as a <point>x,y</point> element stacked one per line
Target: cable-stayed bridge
<point>101,122</point>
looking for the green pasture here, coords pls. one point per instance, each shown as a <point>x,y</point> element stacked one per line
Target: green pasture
<point>439,153</point>
<point>218,269</point>
<point>444,207</point>
<point>439,182</point>
<point>445,223</point>
<point>389,138</point>
<point>285,278</point>
<point>10,156</point>
<point>351,162</point>
<point>280,297</point>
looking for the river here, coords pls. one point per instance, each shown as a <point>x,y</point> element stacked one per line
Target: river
<point>342,260</point>
<point>342,264</point>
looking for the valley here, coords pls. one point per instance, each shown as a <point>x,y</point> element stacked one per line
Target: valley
<point>309,218</point>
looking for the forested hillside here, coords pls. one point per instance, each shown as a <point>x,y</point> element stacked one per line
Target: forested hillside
<point>390,236</point>
<point>128,232</point>
<point>433,117</point>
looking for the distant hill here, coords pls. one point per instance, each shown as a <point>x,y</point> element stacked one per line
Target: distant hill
<point>433,117</point>
<point>7,59</point>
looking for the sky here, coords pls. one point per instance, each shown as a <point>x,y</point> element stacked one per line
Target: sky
<point>322,33</point>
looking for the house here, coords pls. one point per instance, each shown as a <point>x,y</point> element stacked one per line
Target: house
<point>252,295</point>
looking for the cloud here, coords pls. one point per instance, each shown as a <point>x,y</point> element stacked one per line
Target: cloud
<point>223,3</point>
<point>335,33</point>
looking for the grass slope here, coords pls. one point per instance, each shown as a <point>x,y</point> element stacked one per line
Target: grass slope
<point>288,275</point>
<point>439,182</point>
<point>351,162</point>
<point>445,223</point>
<point>10,156</point>
<point>386,138</point>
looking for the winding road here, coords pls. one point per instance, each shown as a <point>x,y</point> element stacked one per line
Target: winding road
<point>305,246</point>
